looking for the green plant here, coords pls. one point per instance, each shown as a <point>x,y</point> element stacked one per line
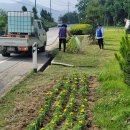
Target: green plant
<point>80,29</point>
<point>73,45</point>
<point>124,58</point>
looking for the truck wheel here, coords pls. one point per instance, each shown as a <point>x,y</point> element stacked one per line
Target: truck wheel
<point>42,49</point>
<point>6,54</point>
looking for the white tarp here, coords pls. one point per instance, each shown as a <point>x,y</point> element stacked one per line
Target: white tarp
<point>127,25</point>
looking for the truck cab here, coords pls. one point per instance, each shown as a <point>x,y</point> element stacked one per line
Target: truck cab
<point>40,32</point>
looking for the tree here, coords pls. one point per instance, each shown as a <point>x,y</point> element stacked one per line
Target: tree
<point>82,6</point>
<point>24,9</point>
<point>46,15</point>
<point>112,12</point>
<point>70,18</point>
<point>35,12</point>
<point>3,18</point>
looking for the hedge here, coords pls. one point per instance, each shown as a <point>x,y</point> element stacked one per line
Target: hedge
<point>80,29</point>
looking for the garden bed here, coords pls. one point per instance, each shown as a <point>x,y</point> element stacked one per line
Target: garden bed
<point>65,107</point>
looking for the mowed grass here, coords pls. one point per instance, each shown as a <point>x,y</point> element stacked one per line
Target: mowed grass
<point>102,63</point>
<point>112,109</point>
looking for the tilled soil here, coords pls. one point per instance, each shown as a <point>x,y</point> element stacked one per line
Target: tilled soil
<point>93,83</point>
<point>27,110</point>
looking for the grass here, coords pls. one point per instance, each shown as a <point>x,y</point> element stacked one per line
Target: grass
<point>112,108</point>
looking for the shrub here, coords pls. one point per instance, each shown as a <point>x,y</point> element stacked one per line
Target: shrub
<point>124,58</point>
<point>73,45</point>
<point>80,29</point>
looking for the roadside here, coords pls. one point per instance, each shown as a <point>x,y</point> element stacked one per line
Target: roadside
<point>13,69</point>
<point>20,106</point>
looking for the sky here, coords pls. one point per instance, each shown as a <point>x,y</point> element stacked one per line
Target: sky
<point>56,4</point>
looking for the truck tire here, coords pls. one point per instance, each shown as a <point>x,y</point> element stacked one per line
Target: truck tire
<point>6,54</point>
<point>42,49</point>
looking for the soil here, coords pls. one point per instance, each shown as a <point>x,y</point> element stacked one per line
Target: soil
<point>93,83</point>
<point>27,110</point>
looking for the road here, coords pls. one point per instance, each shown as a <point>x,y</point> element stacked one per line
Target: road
<point>14,68</point>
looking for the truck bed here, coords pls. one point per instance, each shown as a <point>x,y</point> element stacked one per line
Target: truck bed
<point>13,41</point>
<point>25,41</point>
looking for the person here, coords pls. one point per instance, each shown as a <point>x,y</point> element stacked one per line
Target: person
<point>62,36</point>
<point>127,25</point>
<point>100,36</point>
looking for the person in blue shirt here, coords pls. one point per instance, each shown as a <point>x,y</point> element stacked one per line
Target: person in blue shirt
<point>62,36</point>
<point>100,36</point>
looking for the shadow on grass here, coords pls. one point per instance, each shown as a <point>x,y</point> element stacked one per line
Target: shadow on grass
<point>110,49</point>
<point>109,44</point>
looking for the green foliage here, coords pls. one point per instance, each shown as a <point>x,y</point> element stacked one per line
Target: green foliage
<point>113,104</point>
<point>47,19</point>
<point>47,24</point>
<point>80,29</point>
<point>35,12</point>
<point>24,8</point>
<point>124,59</point>
<point>70,18</point>
<point>46,15</point>
<point>110,12</point>
<point>73,46</point>
<point>3,18</point>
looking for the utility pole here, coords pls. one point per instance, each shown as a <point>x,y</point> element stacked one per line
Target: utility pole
<point>68,6</point>
<point>35,5</point>
<point>50,6</point>
<point>128,9</point>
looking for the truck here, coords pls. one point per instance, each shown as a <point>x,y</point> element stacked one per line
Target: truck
<point>22,31</point>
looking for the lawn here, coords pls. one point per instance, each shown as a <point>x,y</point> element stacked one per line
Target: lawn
<point>111,111</point>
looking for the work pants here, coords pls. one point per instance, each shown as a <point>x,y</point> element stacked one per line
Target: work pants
<point>100,43</point>
<point>64,43</point>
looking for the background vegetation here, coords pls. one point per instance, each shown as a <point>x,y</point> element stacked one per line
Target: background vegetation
<point>80,29</point>
<point>45,16</point>
<point>108,12</point>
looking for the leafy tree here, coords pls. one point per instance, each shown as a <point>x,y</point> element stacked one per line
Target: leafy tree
<point>95,15</point>
<point>3,18</point>
<point>24,8</point>
<point>46,15</point>
<point>82,6</point>
<point>70,18</point>
<point>35,12</point>
<point>113,12</point>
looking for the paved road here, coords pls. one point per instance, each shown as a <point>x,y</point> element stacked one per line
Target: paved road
<point>14,68</point>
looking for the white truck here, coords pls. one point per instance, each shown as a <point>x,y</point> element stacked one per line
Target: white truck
<point>23,30</point>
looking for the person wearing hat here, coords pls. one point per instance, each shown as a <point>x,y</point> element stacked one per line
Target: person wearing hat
<point>62,36</point>
<point>100,36</point>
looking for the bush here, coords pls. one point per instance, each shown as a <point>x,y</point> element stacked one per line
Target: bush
<point>80,29</point>
<point>124,59</point>
<point>73,45</point>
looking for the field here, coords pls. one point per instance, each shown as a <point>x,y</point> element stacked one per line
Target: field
<point>90,95</point>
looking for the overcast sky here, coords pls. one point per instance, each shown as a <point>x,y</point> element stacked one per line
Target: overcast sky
<point>56,4</point>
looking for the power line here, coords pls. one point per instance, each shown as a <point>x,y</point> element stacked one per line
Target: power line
<point>22,3</point>
<point>61,4</point>
<point>51,2</point>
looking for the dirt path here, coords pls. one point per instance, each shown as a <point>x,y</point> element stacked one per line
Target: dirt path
<point>93,83</point>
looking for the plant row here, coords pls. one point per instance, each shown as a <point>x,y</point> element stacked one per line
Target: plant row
<point>69,108</point>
